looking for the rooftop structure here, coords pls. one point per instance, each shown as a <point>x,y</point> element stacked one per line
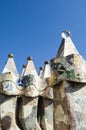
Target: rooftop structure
<point>54,99</point>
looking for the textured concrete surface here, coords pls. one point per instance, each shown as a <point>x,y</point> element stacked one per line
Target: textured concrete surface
<point>8,112</point>
<point>54,99</point>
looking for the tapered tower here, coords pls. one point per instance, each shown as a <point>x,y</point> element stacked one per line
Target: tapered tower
<point>69,87</point>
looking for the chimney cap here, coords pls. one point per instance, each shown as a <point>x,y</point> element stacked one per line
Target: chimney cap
<point>10,55</point>
<point>67,33</point>
<point>29,58</point>
<point>41,68</point>
<point>46,62</point>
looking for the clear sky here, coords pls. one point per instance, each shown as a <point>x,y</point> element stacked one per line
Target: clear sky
<point>33,28</point>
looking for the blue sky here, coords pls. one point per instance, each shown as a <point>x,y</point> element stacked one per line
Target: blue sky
<point>33,28</point>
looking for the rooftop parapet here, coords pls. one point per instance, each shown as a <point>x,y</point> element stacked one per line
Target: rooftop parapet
<point>67,65</point>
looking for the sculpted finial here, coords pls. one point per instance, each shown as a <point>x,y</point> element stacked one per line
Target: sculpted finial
<point>10,56</point>
<point>29,58</point>
<point>46,62</point>
<point>65,34</point>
